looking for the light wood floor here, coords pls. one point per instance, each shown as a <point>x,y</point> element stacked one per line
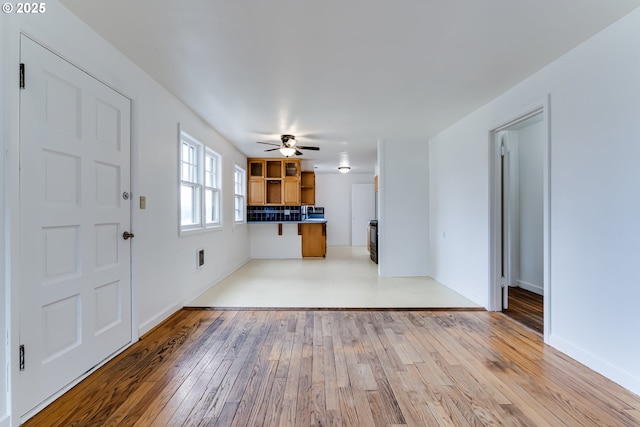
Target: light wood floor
<point>344,368</point>
<point>527,308</point>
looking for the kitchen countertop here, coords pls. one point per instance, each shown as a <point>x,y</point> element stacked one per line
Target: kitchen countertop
<point>306,221</point>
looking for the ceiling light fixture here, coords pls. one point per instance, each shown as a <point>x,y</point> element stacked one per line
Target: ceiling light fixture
<point>287,151</point>
<point>344,169</point>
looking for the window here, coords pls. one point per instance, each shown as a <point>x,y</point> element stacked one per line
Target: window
<point>190,184</point>
<point>212,188</point>
<point>199,185</point>
<point>240,182</point>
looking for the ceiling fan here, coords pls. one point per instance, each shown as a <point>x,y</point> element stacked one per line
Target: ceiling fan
<point>288,147</point>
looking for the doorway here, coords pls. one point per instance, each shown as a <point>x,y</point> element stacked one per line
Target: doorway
<point>520,218</point>
<point>362,211</point>
<point>75,263</point>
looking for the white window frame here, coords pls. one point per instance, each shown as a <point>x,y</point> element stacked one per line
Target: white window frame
<point>212,183</point>
<point>193,175</point>
<point>240,195</point>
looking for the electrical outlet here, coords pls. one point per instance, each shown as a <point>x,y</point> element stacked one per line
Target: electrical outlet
<point>143,202</point>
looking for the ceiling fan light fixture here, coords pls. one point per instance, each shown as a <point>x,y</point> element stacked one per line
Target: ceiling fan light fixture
<point>288,140</point>
<point>287,151</point>
<point>344,169</point>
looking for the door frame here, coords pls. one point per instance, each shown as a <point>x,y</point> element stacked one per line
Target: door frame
<point>496,293</point>
<point>13,221</point>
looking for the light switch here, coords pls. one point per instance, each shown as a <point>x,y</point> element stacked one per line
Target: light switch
<point>143,202</point>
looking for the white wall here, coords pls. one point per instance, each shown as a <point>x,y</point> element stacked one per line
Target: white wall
<point>268,244</point>
<point>164,265</point>
<point>403,208</point>
<point>333,191</point>
<point>531,141</point>
<point>594,207</point>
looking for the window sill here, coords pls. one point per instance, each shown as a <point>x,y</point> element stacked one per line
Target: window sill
<point>193,231</point>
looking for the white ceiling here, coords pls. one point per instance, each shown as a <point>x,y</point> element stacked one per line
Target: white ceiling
<point>341,74</point>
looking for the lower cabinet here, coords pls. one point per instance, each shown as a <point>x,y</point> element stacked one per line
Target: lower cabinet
<point>314,239</point>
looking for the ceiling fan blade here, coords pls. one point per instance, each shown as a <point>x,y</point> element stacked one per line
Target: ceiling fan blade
<point>268,143</point>
<point>303,147</point>
<point>272,149</point>
<point>299,153</point>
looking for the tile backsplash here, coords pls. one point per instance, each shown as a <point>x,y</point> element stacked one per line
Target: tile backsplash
<point>273,213</point>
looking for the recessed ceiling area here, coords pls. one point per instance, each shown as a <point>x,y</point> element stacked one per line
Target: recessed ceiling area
<point>342,75</point>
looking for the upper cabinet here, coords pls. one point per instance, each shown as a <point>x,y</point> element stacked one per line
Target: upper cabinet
<point>256,169</point>
<point>308,188</point>
<point>292,168</point>
<point>291,182</point>
<point>273,182</point>
<point>255,185</point>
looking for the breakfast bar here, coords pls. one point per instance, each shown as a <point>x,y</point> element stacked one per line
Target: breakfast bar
<point>288,239</point>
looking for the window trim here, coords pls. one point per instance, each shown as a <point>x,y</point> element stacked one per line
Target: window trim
<point>216,187</point>
<point>243,195</point>
<point>194,181</point>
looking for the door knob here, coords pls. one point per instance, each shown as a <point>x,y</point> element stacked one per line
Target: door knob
<point>126,235</point>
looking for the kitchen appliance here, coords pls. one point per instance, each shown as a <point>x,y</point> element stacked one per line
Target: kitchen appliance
<point>373,240</point>
<point>315,212</point>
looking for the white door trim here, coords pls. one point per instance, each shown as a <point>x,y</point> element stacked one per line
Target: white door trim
<point>495,206</point>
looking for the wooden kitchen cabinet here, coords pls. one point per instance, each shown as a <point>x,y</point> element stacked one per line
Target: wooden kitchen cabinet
<point>256,185</point>
<point>291,182</point>
<point>308,188</point>
<point>274,192</point>
<point>291,190</point>
<point>314,240</point>
<point>292,169</point>
<point>273,182</point>
<point>256,192</point>
<point>256,169</point>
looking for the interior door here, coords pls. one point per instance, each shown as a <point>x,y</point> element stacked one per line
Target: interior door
<point>75,286</point>
<point>362,210</point>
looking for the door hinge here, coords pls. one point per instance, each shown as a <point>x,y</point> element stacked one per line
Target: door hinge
<point>21,357</point>
<point>21,76</point>
<point>502,150</point>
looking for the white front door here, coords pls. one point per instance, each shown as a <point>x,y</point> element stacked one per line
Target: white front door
<point>75,285</point>
<point>362,210</point>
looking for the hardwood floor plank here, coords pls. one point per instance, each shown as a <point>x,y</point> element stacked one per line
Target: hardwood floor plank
<point>329,374</point>
<point>159,345</point>
<point>317,404</point>
<point>184,366</point>
<point>253,388</point>
<point>343,368</point>
<point>527,308</point>
<point>290,398</point>
<point>339,359</point>
<point>348,408</point>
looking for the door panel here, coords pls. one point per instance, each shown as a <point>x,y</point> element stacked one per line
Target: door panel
<point>75,293</point>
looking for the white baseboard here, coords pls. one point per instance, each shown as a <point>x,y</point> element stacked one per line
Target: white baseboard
<point>474,298</point>
<point>145,327</point>
<point>157,319</point>
<point>536,289</point>
<point>612,372</point>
